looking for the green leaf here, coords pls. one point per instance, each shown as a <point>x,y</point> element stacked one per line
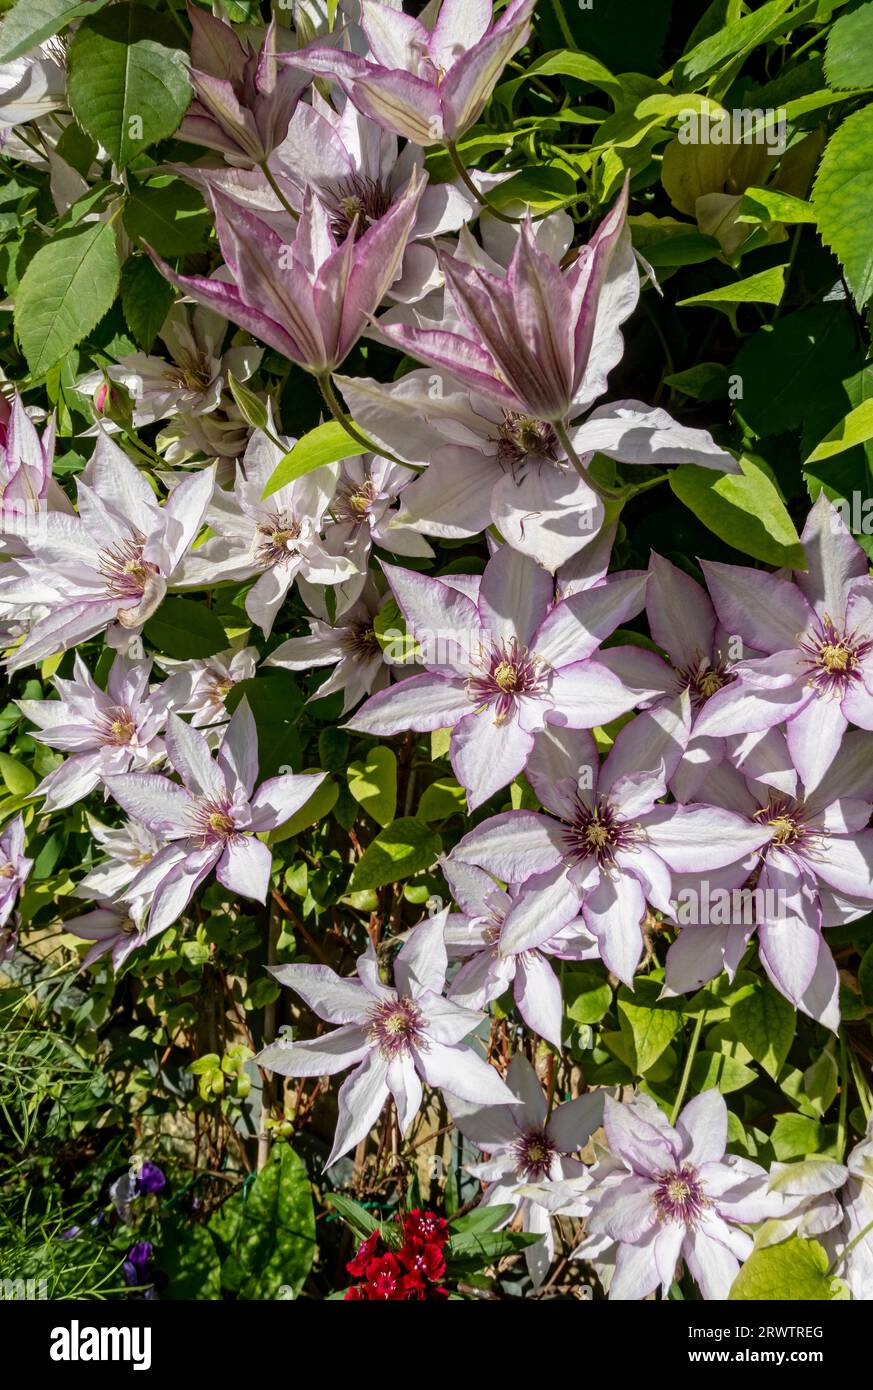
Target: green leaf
<point>764,1020</point>
<point>843,200</point>
<point>720,1070</point>
<point>373,783</point>
<point>33,21</point>
<point>269,1233</point>
<point>769,205</point>
<point>443,798</point>
<point>127,85</point>
<point>401,849</point>
<point>563,63</point>
<point>327,443</point>
<point>587,996</point>
<point>18,778</point>
<point>169,214</point>
<point>764,288</point>
<point>649,1024</point>
<point>732,40</point>
<point>190,1261</point>
<point>794,1271</point>
<point>743,509</point>
<point>786,365</point>
<point>64,292</point>
<point>796,1136</point>
<point>357,1217</point>
<point>849,54</point>
<point>185,630</point>
<point>146,298</point>
<point>857,428</point>
<point>544,187</point>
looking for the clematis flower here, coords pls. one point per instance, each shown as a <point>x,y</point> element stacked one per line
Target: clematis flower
<point>527,1143</point>
<point>200,687</point>
<point>393,1037</point>
<point>428,85</point>
<point>32,87</point>
<point>212,820</point>
<point>487,463</point>
<point>498,669</point>
<point>15,867</point>
<point>472,935</point>
<point>129,847</point>
<point>812,1188</point>
<point>813,870</point>
<point>277,538</point>
<point>193,382</point>
<point>311,298</point>
<point>350,646</point>
<point>105,731</point>
<point>817,636</point>
<point>674,1194</point>
<point>243,98</point>
<point>117,929</point>
<point>27,488</point>
<point>354,167</point>
<point>112,563</point>
<point>608,846</point>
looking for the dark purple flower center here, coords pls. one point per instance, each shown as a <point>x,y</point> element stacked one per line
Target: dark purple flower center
<point>395,1026</point>
<point>124,569</point>
<point>679,1195</point>
<point>598,833</point>
<point>834,656</point>
<point>357,197</point>
<point>706,679</point>
<point>274,540</point>
<point>522,437</point>
<point>508,671</point>
<point>534,1152</point>
<point>360,640</point>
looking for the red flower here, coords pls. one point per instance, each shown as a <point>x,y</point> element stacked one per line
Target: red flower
<point>384,1279</point>
<point>424,1258</point>
<point>363,1256</point>
<point>425,1226</point>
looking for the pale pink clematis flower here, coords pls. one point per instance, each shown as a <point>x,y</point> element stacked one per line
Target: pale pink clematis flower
<point>393,1037</point>
<point>213,820</point>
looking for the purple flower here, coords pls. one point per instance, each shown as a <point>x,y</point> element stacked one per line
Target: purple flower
<point>527,1143</point>
<point>393,1037</point>
<point>112,563</point>
<point>500,667</point>
<point>200,687</point>
<point>536,340</point>
<point>243,98</point>
<point>856,1265</point>
<point>817,634</point>
<point>814,870</point>
<point>137,1263</point>
<point>310,298</point>
<point>473,936</point>
<point>105,731</point>
<point>668,1194</point>
<point>428,85</point>
<point>128,848</point>
<point>149,1179</point>
<point>608,845</point>
<point>213,820</point>
<point>14,866</point>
